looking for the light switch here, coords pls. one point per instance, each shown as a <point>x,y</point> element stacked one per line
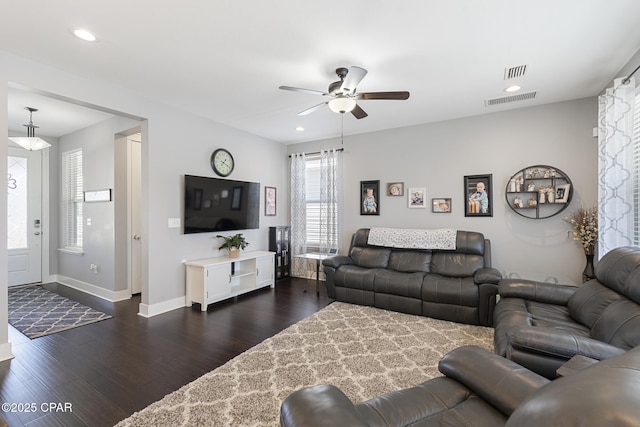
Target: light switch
<point>88,221</point>
<point>174,222</point>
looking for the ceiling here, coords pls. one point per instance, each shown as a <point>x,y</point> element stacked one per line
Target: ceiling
<point>225,59</point>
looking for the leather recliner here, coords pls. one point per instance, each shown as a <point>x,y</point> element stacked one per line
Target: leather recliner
<point>542,325</point>
<point>483,389</point>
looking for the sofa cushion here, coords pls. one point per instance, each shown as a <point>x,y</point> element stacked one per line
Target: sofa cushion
<point>619,325</point>
<point>352,276</point>
<point>370,257</point>
<point>454,264</point>
<point>619,270</point>
<point>450,290</point>
<point>401,284</point>
<point>589,301</point>
<point>410,261</point>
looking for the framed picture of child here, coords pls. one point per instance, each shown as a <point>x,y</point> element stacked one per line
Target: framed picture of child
<point>369,197</point>
<point>416,198</point>
<point>478,193</point>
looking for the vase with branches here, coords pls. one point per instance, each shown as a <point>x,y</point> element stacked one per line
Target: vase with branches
<point>585,231</point>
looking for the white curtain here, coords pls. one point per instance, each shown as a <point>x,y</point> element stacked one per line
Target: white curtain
<point>616,176</point>
<point>298,213</point>
<point>329,198</point>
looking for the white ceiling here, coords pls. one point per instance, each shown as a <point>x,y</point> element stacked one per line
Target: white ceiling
<point>224,59</point>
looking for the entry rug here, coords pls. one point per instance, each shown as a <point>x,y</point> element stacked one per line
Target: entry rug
<point>37,312</point>
<point>365,351</point>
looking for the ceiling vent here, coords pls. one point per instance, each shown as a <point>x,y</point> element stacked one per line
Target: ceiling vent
<point>509,98</point>
<point>515,72</point>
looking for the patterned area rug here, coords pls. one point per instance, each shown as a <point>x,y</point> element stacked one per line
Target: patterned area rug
<point>364,351</point>
<point>37,312</point>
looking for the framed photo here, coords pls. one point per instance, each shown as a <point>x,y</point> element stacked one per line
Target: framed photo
<point>562,193</point>
<point>478,193</point>
<point>416,199</point>
<point>395,189</point>
<point>441,205</point>
<point>270,201</point>
<point>369,198</point>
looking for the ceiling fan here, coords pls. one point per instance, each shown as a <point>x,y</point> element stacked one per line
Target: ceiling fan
<point>343,93</point>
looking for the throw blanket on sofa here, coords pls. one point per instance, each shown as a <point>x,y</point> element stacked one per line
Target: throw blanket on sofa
<point>413,238</point>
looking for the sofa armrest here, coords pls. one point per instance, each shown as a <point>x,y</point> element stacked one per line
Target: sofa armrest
<point>558,343</point>
<point>487,275</point>
<point>321,405</point>
<point>532,290</point>
<point>502,383</point>
<point>337,261</point>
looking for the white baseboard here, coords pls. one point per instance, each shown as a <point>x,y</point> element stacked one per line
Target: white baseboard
<point>112,296</point>
<point>146,310</point>
<point>5,351</point>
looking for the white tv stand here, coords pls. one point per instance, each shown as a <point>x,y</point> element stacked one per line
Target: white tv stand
<point>216,279</point>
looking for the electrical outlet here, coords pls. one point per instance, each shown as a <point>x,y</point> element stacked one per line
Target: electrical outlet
<point>174,222</point>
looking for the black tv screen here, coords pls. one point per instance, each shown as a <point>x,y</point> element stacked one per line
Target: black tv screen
<point>214,204</point>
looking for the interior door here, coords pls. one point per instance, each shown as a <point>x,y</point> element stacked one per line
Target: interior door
<point>135,196</point>
<point>24,221</point>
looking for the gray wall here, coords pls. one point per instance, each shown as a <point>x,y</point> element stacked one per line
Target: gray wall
<point>438,155</point>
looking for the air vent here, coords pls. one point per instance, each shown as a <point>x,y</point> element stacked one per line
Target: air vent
<point>509,98</point>
<point>515,72</point>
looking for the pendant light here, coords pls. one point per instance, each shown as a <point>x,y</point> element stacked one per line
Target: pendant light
<point>30,142</point>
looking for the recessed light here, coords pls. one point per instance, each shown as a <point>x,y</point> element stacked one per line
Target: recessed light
<point>299,128</point>
<point>84,35</point>
<point>513,88</point>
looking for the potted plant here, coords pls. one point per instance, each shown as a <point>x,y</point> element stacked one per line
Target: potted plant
<point>234,244</point>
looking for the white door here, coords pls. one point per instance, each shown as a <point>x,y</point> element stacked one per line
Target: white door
<point>24,219</point>
<point>135,219</point>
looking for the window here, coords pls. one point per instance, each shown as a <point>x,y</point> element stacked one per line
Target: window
<point>318,213</point>
<point>72,200</point>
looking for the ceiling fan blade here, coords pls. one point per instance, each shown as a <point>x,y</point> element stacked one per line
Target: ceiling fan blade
<point>299,89</point>
<point>312,109</point>
<point>358,112</point>
<point>383,95</point>
<point>353,78</point>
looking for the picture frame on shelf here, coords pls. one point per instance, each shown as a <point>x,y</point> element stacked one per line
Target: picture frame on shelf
<point>416,198</point>
<point>370,197</point>
<point>478,192</point>
<point>442,205</point>
<point>270,201</point>
<point>395,189</point>
<point>562,193</point>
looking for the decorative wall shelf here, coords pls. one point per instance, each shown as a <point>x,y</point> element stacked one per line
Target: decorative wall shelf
<point>539,191</point>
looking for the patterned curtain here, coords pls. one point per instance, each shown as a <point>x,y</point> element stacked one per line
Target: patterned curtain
<point>616,175</point>
<point>329,198</point>
<point>298,213</point>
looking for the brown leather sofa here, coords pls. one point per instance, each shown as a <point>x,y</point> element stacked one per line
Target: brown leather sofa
<point>457,285</point>
<point>542,325</point>
<point>482,389</point>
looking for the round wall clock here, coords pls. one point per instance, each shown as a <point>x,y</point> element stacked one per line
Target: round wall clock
<point>222,162</point>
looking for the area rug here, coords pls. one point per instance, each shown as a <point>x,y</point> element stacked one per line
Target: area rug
<point>364,351</point>
<point>37,312</point>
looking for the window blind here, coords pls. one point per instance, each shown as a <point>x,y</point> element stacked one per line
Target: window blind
<point>316,211</point>
<point>72,199</point>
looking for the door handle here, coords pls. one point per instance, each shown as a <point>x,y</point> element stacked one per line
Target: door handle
<point>37,233</point>
<point>136,237</point>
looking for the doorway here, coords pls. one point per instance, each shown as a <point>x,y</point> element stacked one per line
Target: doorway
<point>24,216</point>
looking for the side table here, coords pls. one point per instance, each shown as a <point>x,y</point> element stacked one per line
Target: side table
<point>318,257</point>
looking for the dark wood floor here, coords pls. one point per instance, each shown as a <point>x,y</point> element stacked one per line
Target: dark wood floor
<point>108,370</point>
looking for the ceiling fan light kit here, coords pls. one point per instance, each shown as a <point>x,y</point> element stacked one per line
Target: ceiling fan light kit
<point>342,105</point>
<point>30,142</point>
<point>344,95</point>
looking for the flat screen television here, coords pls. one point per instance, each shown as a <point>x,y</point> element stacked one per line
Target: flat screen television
<point>214,204</point>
